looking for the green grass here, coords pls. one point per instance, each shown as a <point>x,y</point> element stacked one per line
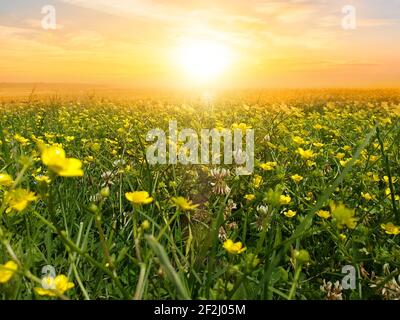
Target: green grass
<point>101,244</point>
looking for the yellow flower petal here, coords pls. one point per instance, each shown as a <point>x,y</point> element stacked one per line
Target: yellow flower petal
<point>139,197</point>
<point>7,270</point>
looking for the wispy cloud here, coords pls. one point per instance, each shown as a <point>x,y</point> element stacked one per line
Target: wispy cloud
<point>136,37</point>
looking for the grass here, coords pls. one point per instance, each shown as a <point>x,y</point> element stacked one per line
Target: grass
<point>110,249</point>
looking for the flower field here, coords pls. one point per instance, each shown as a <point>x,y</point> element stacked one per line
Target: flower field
<point>84,215</point>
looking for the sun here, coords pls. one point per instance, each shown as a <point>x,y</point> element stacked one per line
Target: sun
<point>204,60</point>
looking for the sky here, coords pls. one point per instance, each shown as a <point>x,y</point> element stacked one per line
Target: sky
<point>266,43</point>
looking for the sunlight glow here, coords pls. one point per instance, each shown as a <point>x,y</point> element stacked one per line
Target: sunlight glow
<point>203,60</point>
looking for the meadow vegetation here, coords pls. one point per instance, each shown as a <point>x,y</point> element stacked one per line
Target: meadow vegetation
<point>78,194</point>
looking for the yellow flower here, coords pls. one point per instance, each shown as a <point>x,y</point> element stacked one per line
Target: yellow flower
<point>241,126</point>
<point>257,180</point>
<point>318,126</point>
<point>59,284</point>
<point>340,155</point>
<point>20,139</point>
<point>6,180</point>
<point>389,193</point>
<point>367,196</point>
<point>290,213</point>
<point>43,179</point>
<point>305,154</point>
<point>343,215</point>
<point>296,178</point>
<point>310,163</point>
<point>373,158</point>
<point>54,157</point>
<point>373,176</point>
<point>386,179</point>
<point>183,204</point>
<point>390,228</point>
<point>343,163</point>
<point>139,197</point>
<point>18,199</point>
<point>268,166</point>
<point>49,135</point>
<point>318,144</point>
<point>249,197</point>
<point>234,247</point>
<point>298,140</point>
<point>7,270</point>
<point>284,199</point>
<point>342,237</point>
<point>323,214</point>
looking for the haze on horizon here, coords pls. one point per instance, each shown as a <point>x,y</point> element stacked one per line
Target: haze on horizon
<point>252,43</point>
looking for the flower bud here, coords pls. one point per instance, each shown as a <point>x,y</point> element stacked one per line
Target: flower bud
<point>145,225</point>
<point>93,208</point>
<point>105,192</point>
<point>302,256</point>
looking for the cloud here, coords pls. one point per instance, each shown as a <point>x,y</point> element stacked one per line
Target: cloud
<point>365,23</point>
<point>9,32</point>
<point>84,39</point>
<point>133,8</point>
<point>135,37</point>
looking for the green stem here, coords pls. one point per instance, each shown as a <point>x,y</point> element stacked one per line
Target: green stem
<point>140,285</point>
<point>78,278</point>
<point>103,244</point>
<point>294,284</point>
<point>76,249</point>
<point>389,173</point>
<point>176,214</point>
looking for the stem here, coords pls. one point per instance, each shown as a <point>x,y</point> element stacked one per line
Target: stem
<point>140,285</point>
<point>389,173</point>
<point>73,247</point>
<point>176,214</point>
<point>103,242</point>
<point>26,273</point>
<point>136,234</point>
<point>294,284</point>
<point>78,278</point>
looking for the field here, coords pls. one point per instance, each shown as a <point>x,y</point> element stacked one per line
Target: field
<point>76,221</point>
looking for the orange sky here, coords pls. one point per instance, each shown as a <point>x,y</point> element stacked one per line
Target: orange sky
<point>298,43</point>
